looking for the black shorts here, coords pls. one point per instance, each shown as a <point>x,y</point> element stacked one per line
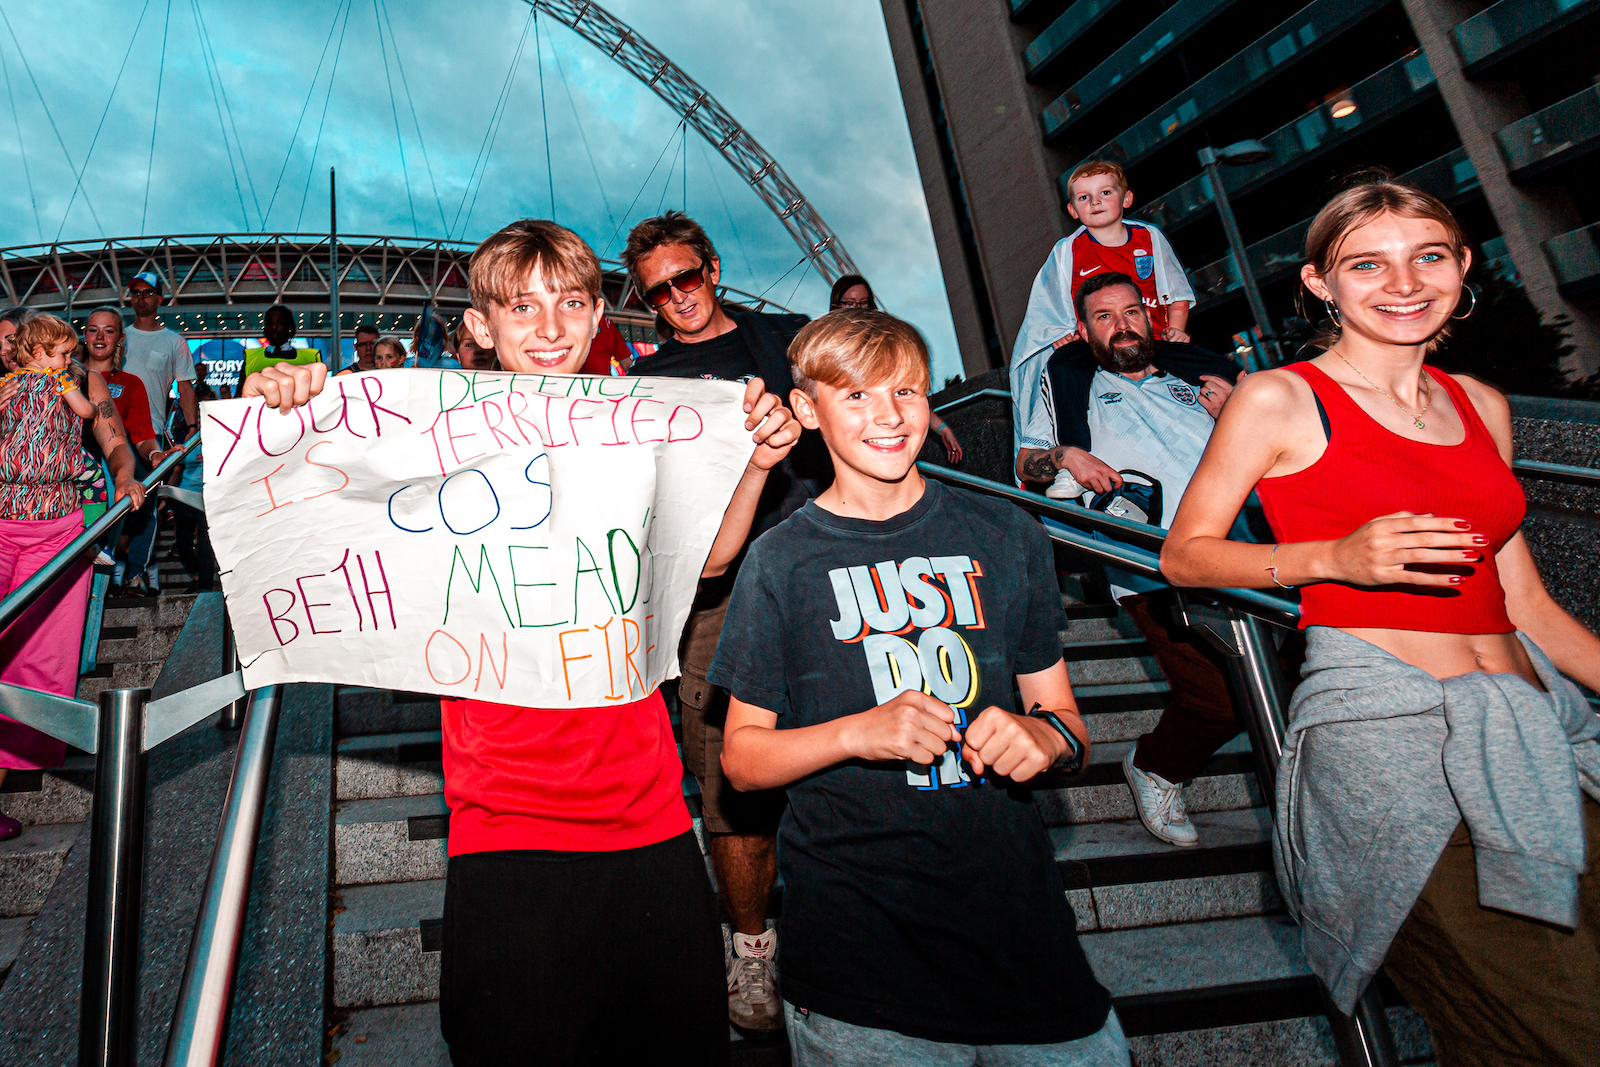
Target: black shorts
<point>583,957</point>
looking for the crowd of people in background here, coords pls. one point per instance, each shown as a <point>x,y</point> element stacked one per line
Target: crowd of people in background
<point>853,658</point>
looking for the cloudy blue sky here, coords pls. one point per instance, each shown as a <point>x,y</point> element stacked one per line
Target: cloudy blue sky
<point>812,80</point>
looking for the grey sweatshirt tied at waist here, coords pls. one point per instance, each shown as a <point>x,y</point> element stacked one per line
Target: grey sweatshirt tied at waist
<point>1382,761</point>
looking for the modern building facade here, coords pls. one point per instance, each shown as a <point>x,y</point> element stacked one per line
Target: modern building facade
<point>1493,107</point>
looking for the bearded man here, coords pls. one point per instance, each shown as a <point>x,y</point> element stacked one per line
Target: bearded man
<point>1130,416</point>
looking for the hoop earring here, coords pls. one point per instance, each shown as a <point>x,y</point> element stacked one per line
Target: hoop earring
<point>1470,307</point>
<point>1333,313</point>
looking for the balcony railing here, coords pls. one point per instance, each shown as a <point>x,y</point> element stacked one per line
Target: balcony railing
<point>1575,258</point>
<point>1496,34</point>
<point>1563,131</point>
<point>1393,90</point>
<point>1070,25</point>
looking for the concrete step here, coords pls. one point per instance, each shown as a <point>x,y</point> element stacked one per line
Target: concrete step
<point>136,644</point>
<point>1106,661</point>
<point>29,864</point>
<point>1100,793</point>
<point>1118,876</point>
<point>379,956</point>
<point>1099,626</point>
<point>1227,991</point>
<point>13,934</point>
<point>117,676</point>
<point>361,710</point>
<point>1121,711</point>
<point>392,839</point>
<point>58,795</point>
<point>168,609</point>
<point>389,765</point>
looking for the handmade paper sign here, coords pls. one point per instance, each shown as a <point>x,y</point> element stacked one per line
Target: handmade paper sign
<point>523,539</point>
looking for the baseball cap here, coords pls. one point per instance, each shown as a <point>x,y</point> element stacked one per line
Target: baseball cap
<point>149,277</point>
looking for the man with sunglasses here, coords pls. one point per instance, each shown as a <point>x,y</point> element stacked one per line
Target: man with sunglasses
<point>673,264</point>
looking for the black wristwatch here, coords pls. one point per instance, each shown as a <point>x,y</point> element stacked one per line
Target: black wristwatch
<point>1071,761</point>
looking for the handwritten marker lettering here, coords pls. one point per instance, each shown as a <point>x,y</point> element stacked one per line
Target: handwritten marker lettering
<point>526,538</point>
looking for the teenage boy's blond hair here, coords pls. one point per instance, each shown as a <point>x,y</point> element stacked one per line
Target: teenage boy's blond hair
<point>855,347</point>
<point>501,266</point>
<point>1099,166</point>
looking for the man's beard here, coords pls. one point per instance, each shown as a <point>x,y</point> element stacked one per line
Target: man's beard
<point>1120,357</point>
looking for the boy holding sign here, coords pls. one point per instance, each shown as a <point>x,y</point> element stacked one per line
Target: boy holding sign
<point>578,916</point>
<point>870,648</point>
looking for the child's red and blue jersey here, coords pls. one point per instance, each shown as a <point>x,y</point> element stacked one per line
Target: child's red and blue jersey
<point>1136,259</point>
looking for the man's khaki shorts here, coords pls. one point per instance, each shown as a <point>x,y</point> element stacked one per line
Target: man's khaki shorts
<point>704,710</point>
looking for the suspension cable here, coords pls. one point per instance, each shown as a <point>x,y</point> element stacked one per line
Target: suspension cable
<point>784,275</point>
<point>22,146</point>
<point>394,109</point>
<point>491,132</point>
<point>78,185</point>
<point>28,69</point>
<point>212,78</point>
<point>411,103</point>
<point>155,120</point>
<point>227,106</point>
<point>666,186</point>
<point>322,120</point>
<point>544,114</point>
<point>673,136</point>
<point>750,270</point>
<point>304,107</point>
<point>611,216</point>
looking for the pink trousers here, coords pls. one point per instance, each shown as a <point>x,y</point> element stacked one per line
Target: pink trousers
<point>41,649</point>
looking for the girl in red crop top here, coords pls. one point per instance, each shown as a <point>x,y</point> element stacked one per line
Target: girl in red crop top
<point>1388,484</point>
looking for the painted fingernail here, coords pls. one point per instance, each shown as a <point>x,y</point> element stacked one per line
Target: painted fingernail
<point>1479,539</point>
<point>1455,579</point>
<point>1463,524</point>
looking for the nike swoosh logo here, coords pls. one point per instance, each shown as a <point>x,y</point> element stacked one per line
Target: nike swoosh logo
<point>1091,270</point>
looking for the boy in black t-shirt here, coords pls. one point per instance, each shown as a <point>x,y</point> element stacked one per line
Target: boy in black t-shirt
<point>870,648</point>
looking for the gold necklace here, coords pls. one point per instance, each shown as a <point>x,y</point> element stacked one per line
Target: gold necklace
<point>1427,394</point>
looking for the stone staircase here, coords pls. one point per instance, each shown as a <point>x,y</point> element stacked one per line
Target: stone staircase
<point>1194,944</point>
<point>1204,965</point>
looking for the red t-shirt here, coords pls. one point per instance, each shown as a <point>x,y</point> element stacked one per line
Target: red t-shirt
<point>132,402</point>
<point>567,779</point>
<point>1136,259</point>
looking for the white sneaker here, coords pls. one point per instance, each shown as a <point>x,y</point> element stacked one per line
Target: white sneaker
<point>1065,487</point>
<point>753,1004</point>
<point>1160,805</point>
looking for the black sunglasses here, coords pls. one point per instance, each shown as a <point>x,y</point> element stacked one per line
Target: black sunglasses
<point>685,281</point>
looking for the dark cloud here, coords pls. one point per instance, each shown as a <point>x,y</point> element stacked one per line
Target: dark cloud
<point>812,81</point>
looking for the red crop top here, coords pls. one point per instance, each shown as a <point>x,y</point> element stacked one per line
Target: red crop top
<point>1368,471</point>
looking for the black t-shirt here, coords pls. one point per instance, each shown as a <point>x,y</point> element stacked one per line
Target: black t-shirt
<point>725,357</point>
<point>915,899</point>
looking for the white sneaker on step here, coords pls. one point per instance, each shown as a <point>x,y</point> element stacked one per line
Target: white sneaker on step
<point>753,1004</point>
<point>1160,805</point>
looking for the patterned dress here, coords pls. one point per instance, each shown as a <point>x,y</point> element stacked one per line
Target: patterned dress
<point>41,454</point>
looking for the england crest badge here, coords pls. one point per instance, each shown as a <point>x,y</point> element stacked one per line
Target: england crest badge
<point>1181,391</point>
<point>1144,264</point>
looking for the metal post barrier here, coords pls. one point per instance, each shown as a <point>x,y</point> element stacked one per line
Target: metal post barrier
<point>232,713</point>
<point>199,1020</point>
<point>109,1006</point>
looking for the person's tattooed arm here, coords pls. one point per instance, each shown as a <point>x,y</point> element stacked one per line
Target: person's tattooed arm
<point>1038,464</point>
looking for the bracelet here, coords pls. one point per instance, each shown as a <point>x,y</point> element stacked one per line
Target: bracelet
<point>1273,571</point>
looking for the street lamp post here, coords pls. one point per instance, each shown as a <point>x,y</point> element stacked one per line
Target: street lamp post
<point>1241,153</point>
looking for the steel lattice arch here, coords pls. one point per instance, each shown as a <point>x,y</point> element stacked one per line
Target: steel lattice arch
<point>699,109</point>
<point>219,284</point>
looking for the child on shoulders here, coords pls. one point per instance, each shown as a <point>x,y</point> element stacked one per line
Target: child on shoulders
<point>1107,243</point>
<point>870,648</point>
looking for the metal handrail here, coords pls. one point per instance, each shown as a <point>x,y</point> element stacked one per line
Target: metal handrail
<point>1555,472</point>
<point>200,1016</point>
<point>1141,557</point>
<point>25,594</point>
<point>981,394</point>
